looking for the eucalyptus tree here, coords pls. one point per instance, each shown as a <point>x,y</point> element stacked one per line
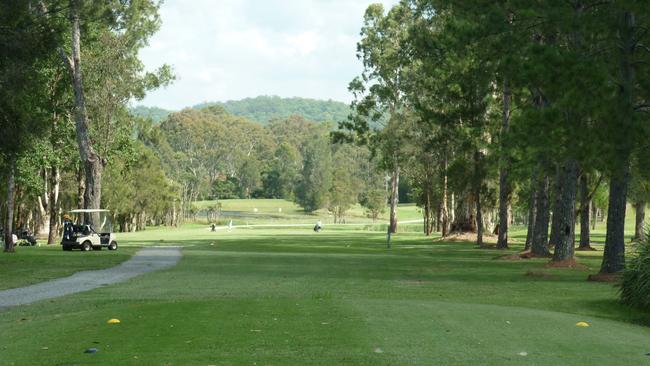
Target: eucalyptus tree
<point>112,32</point>
<point>379,91</point>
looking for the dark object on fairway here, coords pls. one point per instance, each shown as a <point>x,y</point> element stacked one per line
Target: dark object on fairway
<point>91,350</point>
<point>214,227</point>
<point>318,227</point>
<point>647,354</point>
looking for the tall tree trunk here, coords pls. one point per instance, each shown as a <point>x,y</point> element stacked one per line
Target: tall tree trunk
<point>594,215</point>
<point>639,224</point>
<point>44,205</point>
<point>81,187</point>
<point>464,216</point>
<point>557,206</point>
<point>539,247</point>
<point>9,214</point>
<point>614,255</point>
<point>564,248</point>
<point>55,205</point>
<point>504,184</point>
<point>479,219</point>
<point>478,157</point>
<point>585,203</point>
<point>92,162</point>
<point>445,194</point>
<point>531,214</point>
<point>394,197</point>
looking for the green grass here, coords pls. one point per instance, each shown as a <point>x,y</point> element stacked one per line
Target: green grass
<point>269,211</point>
<point>278,296</point>
<point>37,264</point>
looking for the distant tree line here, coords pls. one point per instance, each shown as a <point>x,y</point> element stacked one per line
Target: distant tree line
<point>264,109</point>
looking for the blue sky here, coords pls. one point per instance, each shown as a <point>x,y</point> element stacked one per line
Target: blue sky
<point>232,49</point>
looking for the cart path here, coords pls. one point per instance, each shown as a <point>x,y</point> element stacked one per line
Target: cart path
<point>145,260</point>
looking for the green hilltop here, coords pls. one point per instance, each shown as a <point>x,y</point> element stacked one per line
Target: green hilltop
<point>265,108</point>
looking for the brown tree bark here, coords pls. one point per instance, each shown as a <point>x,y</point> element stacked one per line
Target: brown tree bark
<point>478,157</point>
<point>81,187</point>
<point>445,196</point>
<point>564,248</point>
<point>539,247</point>
<point>504,184</point>
<point>614,255</point>
<point>585,209</point>
<point>639,221</point>
<point>464,216</point>
<point>531,214</point>
<point>55,205</point>
<point>9,214</point>
<point>556,208</point>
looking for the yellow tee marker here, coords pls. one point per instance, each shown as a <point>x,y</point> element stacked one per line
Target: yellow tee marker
<point>113,321</point>
<point>582,324</point>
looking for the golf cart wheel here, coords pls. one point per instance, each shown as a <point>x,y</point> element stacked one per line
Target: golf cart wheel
<point>86,246</point>
<point>112,245</point>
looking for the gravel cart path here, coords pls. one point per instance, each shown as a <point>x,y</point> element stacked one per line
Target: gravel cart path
<point>145,260</point>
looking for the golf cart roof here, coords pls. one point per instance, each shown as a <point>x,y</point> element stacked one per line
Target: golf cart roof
<point>85,210</point>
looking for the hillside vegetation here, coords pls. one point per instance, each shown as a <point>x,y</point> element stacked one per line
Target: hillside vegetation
<point>262,109</point>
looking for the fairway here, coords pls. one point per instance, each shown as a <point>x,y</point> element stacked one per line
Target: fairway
<point>339,297</point>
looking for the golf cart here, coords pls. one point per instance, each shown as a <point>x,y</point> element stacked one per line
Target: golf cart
<point>88,229</point>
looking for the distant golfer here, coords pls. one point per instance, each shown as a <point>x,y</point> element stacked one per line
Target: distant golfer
<point>318,227</point>
<point>214,227</point>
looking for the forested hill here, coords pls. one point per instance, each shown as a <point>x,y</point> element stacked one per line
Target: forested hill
<point>265,108</point>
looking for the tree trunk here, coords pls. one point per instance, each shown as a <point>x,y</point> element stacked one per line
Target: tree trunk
<point>477,196</point>
<point>81,187</point>
<point>614,255</point>
<point>539,247</point>
<point>594,215</point>
<point>394,197</point>
<point>93,165</point>
<point>443,202</point>
<point>44,205</point>
<point>585,209</point>
<point>464,219</point>
<point>504,184</point>
<point>564,248</point>
<point>54,205</point>
<point>531,215</point>
<point>479,220</point>
<point>639,227</point>
<point>9,218</point>
<point>557,206</point>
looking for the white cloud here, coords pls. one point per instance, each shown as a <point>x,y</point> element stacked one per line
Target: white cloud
<point>232,49</point>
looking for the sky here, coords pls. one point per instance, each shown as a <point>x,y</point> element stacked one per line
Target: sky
<point>233,49</point>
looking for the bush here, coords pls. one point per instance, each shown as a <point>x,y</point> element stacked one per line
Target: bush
<point>635,288</point>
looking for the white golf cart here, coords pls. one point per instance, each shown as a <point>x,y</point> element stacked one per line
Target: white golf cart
<point>88,229</point>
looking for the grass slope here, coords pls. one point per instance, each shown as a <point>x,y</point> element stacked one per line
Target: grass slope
<point>294,297</point>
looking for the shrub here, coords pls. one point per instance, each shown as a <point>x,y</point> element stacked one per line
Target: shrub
<point>635,288</point>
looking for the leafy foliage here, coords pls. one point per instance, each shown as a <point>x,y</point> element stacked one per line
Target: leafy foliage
<point>635,288</point>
